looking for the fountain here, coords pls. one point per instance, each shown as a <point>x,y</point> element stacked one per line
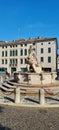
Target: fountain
<point>35,74</point>
<point>35,80</point>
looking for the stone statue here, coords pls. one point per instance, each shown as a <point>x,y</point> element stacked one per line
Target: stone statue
<point>32,62</point>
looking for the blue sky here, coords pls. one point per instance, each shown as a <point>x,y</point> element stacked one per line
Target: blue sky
<point>29,18</point>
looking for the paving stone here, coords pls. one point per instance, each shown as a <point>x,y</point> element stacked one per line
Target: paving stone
<point>23,118</point>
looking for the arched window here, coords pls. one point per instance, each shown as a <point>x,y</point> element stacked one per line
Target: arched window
<point>16,52</point>
<point>25,52</point>
<point>21,52</point>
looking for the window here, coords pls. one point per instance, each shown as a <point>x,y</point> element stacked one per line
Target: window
<point>2,46</point>
<point>21,61</point>
<point>42,59</point>
<point>10,53</point>
<point>16,45</point>
<point>49,50</point>
<point>16,52</point>
<point>41,43</point>
<point>41,50</point>
<point>13,53</point>
<point>25,61</point>
<point>13,61</point>
<point>16,61</point>
<point>49,59</point>
<point>21,45</point>
<point>21,52</point>
<point>2,53</point>
<point>5,53</point>
<point>49,43</point>
<point>3,69</point>
<point>25,44</point>
<point>10,61</point>
<point>34,43</point>
<point>11,46</point>
<point>2,61</point>
<point>25,52</point>
<point>6,61</point>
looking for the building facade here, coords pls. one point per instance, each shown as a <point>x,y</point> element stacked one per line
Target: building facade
<point>13,54</point>
<point>57,63</point>
<point>47,54</point>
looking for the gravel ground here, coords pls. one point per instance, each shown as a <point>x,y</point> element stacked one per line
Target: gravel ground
<point>23,118</point>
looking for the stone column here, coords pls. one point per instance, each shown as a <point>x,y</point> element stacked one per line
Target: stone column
<point>41,97</point>
<point>17,95</point>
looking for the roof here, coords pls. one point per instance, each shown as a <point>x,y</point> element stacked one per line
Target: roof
<point>24,41</point>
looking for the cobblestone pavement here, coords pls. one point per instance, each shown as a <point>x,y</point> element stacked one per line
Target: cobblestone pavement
<point>23,118</point>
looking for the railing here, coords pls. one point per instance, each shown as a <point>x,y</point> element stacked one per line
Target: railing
<point>19,89</point>
<point>40,91</point>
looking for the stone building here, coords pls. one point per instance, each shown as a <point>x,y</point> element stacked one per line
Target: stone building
<point>47,53</point>
<point>57,63</point>
<point>13,54</point>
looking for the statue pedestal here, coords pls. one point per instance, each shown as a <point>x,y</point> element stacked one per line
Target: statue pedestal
<point>37,79</point>
<point>43,78</point>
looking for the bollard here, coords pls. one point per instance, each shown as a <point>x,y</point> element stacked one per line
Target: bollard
<point>41,96</point>
<point>17,95</point>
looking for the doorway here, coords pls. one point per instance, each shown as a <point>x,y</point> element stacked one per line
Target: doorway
<point>13,69</point>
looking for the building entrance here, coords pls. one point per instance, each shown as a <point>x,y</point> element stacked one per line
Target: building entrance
<point>13,69</point>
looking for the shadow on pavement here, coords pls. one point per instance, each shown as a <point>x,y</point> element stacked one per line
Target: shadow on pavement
<point>4,128</point>
<point>51,98</point>
<point>31,100</point>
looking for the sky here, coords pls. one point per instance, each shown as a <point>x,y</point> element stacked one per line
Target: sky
<point>23,19</point>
